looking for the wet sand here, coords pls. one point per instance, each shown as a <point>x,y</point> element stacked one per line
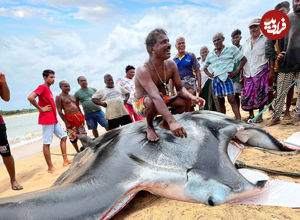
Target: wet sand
<point>32,174</point>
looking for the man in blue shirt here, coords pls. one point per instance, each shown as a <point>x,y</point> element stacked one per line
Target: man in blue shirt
<point>188,68</point>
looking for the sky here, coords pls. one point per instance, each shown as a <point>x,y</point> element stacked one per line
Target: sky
<point>96,37</point>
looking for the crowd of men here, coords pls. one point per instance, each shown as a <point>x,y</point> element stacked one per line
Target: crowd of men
<point>246,74</point>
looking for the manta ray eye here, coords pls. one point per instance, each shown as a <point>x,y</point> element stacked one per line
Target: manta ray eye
<point>210,201</point>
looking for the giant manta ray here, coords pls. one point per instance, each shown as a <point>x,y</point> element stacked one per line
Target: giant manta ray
<point>115,166</point>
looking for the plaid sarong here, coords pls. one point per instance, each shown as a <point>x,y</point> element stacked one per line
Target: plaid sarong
<point>222,89</point>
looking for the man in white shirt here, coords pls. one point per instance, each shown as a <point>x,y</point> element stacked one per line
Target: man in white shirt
<point>255,74</point>
<point>111,98</point>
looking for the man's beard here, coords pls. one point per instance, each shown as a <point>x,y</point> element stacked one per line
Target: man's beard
<point>296,9</point>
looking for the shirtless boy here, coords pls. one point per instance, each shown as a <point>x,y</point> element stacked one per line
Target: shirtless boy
<point>151,88</point>
<point>70,113</point>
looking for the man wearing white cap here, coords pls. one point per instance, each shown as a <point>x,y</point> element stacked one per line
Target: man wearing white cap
<point>255,74</point>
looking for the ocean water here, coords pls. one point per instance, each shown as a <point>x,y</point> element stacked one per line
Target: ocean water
<point>22,129</point>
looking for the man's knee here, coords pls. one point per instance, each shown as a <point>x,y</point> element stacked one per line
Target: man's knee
<point>221,100</point>
<point>231,99</point>
<point>64,139</point>
<point>148,103</point>
<point>6,155</point>
<point>184,102</point>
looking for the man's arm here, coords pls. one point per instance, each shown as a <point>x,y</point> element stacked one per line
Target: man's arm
<point>198,77</point>
<point>171,87</point>
<point>270,49</point>
<point>126,93</point>
<point>97,98</point>
<point>31,99</point>
<point>238,70</point>
<point>196,68</point>
<point>146,82</point>
<point>99,102</point>
<point>126,98</point>
<point>181,91</point>
<point>211,75</point>
<point>4,90</point>
<point>59,107</point>
<point>77,103</point>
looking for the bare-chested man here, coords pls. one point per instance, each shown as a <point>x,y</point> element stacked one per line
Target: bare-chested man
<point>151,88</point>
<point>72,116</point>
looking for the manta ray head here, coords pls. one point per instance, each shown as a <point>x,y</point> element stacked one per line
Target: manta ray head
<point>206,190</point>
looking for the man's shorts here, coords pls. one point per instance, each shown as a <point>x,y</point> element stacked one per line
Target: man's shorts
<point>92,120</point>
<point>4,146</point>
<point>114,123</point>
<point>139,107</point>
<point>222,89</point>
<point>189,82</point>
<point>237,88</point>
<point>49,130</point>
<point>74,132</point>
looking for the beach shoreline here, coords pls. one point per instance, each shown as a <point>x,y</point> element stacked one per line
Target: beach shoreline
<point>32,174</point>
<point>18,115</point>
<point>30,149</point>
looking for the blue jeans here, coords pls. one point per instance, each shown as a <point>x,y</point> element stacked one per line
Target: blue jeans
<point>92,120</point>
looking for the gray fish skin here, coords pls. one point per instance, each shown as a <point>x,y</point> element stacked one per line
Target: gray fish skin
<point>122,162</point>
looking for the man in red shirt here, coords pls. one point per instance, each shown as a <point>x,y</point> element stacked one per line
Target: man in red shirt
<point>4,145</point>
<point>48,119</point>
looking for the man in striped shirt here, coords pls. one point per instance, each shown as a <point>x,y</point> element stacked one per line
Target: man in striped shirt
<point>221,61</point>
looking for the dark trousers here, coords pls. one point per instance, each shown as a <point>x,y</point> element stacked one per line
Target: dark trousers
<point>208,95</point>
<point>114,123</point>
<point>4,146</point>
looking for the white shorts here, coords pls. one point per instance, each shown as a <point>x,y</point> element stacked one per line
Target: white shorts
<point>49,130</point>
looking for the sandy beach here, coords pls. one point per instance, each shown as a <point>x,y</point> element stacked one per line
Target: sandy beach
<point>31,173</point>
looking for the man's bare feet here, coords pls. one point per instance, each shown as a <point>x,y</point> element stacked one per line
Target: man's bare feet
<point>151,134</point>
<point>67,162</point>
<point>297,121</point>
<point>287,116</point>
<point>248,118</point>
<point>259,120</point>
<point>51,170</point>
<point>273,122</point>
<point>16,186</point>
<point>164,125</point>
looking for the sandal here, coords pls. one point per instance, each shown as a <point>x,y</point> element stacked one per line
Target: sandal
<point>273,122</point>
<point>259,120</point>
<point>16,187</point>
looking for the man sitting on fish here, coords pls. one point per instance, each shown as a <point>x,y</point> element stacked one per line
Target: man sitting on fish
<point>151,87</point>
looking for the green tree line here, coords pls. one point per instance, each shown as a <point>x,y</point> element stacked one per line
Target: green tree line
<point>15,112</point>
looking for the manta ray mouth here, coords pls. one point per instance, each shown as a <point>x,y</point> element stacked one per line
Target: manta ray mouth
<point>255,137</point>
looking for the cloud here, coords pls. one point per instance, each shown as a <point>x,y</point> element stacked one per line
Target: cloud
<point>7,2</point>
<point>107,47</point>
<point>158,1</point>
<point>92,14</point>
<point>27,12</point>
<point>67,3</point>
